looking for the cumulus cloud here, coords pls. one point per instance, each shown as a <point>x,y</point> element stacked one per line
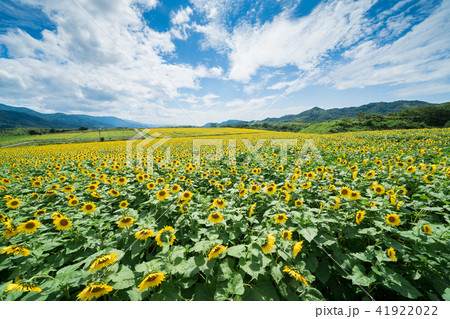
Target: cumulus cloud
<point>102,53</point>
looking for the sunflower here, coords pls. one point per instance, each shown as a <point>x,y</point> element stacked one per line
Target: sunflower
<point>50,192</point>
<point>15,250</point>
<point>216,251</point>
<point>345,192</point>
<point>411,169</point>
<point>254,188</point>
<point>306,185</point>
<point>186,195</point>
<point>165,235</point>
<point>298,203</point>
<point>126,221</point>
<point>175,188</point>
<point>73,202</point>
<point>298,245</point>
<point>219,202</point>
<point>391,254</point>
<point>144,234</point>
<point>36,184</point>
<point>35,195</point>
<point>10,232</point>
<point>62,223</point>
<point>94,291</point>
<point>114,193</point>
<point>311,175</point>
<point>92,188</point>
<point>151,185</point>
<point>252,208</point>
<point>70,196</point>
<point>215,217</point>
<point>360,216</point>
<point>370,174</point>
<point>393,219</point>
<point>287,234</point>
<point>13,203</point>
<point>355,175</point>
<point>242,192</point>
<point>271,189</point>
<point>427,229</point>
<point>88,207</point>
<point>280,218</point>
<point>428,178</point>
<point>162,194</point>
<point>331,188</point>
<point>19,287</point>
<point>355,195</point>
<point>103,261</point>
<point>379,189</point>
<point>295,275</point>
<point>123,204</point>
<point>39,212</point>
<point>121,181</point>
<point>29,227</point>
<point>337,202</point>
<point>140,178</point>
<point>267,248</point>
<point>152,280</point>
<point>68,189</point>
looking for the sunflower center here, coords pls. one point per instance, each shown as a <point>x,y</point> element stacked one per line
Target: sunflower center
<point>344,192</point>
<point>215,216</point>
<point>96,289</point>
<point>126,220</point>
<point>64,222</point>
<point>29,225</point>
<point>89,207</point>
<point>216,249</point>
<point>14,203</point>
<point>151,278</point>
<point>392,219</point>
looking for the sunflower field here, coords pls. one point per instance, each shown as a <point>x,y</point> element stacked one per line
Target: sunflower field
<point>363,217</point>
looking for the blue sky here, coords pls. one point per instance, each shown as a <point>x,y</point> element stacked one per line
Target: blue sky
<point>198,61</point>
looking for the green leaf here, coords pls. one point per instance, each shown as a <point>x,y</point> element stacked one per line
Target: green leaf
<point>312,294</point>
<point>236,285</point>
<point>204,292</point>
<point>276,273</point>
<point>236,251</point>
<point>251,266</point>
<point>446,294</point>
<point>134,294</point>
<point>359,277</point>
<point>309,233</point>
<point>323,271</point>
<point>123,278</point>
<point>396,282</point>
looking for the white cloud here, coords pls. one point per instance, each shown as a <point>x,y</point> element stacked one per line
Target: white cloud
<point>419,56</point>
<point>181,16</point>
<point>284,40</point>
<point>78,67</point>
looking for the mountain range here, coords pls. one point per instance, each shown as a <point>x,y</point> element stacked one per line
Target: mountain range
<point>11,116</point>
<point>317,114</point>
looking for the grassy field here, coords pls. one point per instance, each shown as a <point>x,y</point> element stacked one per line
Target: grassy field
<point>78,135</point>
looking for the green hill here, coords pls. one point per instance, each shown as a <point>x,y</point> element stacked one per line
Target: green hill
<point>12,116</point>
